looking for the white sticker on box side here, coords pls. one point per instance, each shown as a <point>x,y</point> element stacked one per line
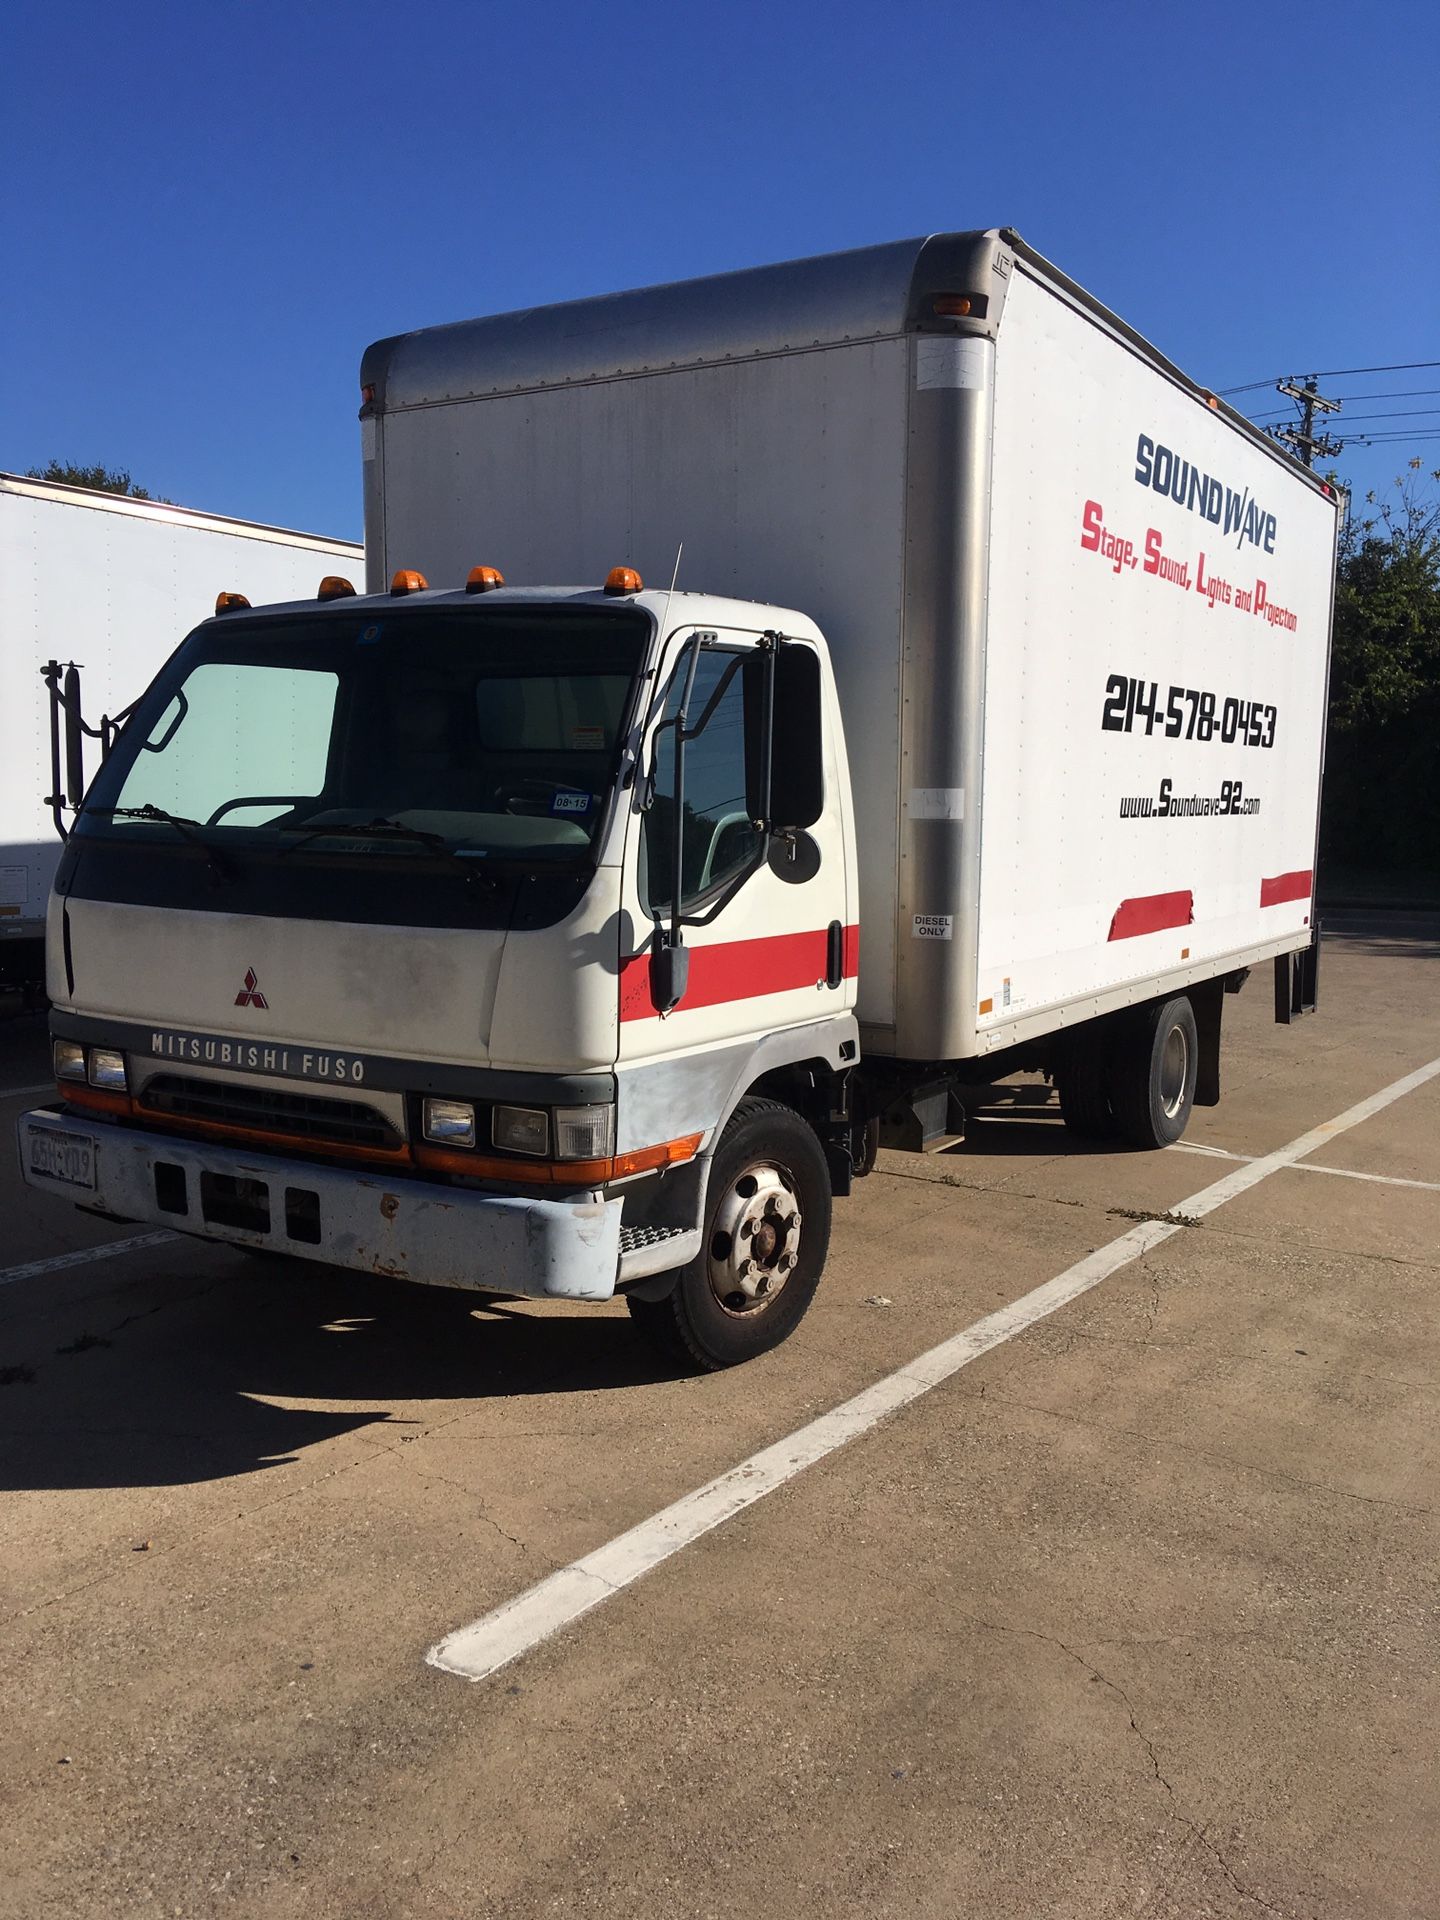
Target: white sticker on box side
<point>14,886</point>
<point>934,926</point>
<point>935,803</point>
<point>367,439</point>
<point>942,362</point>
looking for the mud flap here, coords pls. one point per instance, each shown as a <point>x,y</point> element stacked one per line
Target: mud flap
<point>1297,981</point>
<point>1208,1001</point>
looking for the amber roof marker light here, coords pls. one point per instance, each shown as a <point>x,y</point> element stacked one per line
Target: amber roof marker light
<point>483,580</point>
<point>623,580</point>
<point>408,581</point>
<point>230,602</point>
<point>335,587</point>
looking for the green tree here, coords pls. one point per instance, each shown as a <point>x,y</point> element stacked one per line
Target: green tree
<point>1382,794</point>
<point>101,479</point>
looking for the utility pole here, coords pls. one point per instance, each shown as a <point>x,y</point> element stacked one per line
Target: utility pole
<point>1303,441</point>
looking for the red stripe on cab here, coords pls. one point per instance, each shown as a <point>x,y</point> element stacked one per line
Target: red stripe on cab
<point>741,970</point>
<point>1287,886</point>
<point>1152,913</point>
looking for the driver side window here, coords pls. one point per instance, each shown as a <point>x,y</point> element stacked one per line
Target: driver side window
<point>717,838</point>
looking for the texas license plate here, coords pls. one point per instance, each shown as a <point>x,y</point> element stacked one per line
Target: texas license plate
<point>62,1156</point>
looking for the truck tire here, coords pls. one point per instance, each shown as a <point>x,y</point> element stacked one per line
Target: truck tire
<point>1152,1072</point>
<point>767,1231</point>
<point>1082,1082</point>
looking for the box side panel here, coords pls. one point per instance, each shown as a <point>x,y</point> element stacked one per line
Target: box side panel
<point>117,594</point>
<point>1159,616</point>
<point>783,476</point>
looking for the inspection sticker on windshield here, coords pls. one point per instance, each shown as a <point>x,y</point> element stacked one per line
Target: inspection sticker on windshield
<point>592,738</point>
<point>934,926</point>
<point>570,803</point>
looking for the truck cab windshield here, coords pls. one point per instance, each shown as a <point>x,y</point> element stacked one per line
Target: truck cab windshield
<point>492,734</point>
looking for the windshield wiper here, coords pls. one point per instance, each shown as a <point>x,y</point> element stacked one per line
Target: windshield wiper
<point>219,866</point>
<point>382,829</point>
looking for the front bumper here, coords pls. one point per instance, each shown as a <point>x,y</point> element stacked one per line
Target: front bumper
<point>372,1221</point>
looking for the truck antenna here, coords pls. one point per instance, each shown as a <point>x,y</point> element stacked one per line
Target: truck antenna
<point>675,575</point>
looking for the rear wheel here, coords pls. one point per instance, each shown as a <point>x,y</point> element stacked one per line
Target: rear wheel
<point>767,1230</point>
<point>1152,1072</point>
<point>1083,1085</point>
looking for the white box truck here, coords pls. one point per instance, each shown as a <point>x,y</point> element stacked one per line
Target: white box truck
<point>106,583</point>
<point>560,940</point>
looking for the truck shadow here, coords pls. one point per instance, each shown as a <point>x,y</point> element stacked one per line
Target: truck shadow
<point>1019,1120</point>
<point>173,1379</point>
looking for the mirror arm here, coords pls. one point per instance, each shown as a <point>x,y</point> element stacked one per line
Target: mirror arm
<point>50,673</point>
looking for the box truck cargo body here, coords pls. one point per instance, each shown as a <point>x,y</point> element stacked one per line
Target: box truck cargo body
<point>110,583</point>
<point>1002,521</point>
<point>981,731</point>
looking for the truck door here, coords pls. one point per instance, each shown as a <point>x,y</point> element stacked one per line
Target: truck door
<point>765,920</point>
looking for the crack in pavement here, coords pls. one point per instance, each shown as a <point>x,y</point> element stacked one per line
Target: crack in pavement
<point>1200,1832</point>
<point>1207,1453</point>
<point>1256,1358</point>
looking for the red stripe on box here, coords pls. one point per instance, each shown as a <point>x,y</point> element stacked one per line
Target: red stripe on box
<point>1152,913</point>
<point>741,970</point>
<point>1287,886</point>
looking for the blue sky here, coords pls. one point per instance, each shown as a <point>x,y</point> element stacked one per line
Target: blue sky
<point>208,212</point>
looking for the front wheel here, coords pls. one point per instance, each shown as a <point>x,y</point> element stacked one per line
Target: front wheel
<point>767,1231</point>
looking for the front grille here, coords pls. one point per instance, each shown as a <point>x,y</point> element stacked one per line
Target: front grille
<point>303,1116</point>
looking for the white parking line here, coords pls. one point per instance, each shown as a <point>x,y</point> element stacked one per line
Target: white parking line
<point>84,1255</point>
<point>1311,1166</point>
<point>476,1651</point>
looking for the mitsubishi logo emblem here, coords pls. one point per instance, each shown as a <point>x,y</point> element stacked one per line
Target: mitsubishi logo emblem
<point>250,994</point>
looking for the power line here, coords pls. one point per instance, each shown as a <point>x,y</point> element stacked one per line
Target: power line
<point>1335,373</point>
<point>1391,393</point>
<point>1420,393</point>
<point>1400,413</point>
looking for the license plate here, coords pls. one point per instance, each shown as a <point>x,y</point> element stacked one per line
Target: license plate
<point>61,1156</point>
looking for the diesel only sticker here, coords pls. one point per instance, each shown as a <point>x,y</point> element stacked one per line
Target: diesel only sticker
<point>934,926</point>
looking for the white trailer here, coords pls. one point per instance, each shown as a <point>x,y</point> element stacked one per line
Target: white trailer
<point>629,920</point>
<point>109,583</point>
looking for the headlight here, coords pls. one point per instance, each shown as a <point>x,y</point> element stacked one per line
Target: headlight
<point>521,1129</point>
<point>584,1133</point>
<point>69,1060</point>
<point>450,1121</point>
<point>107,1069</point>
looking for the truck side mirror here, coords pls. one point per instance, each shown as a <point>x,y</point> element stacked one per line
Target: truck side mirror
<point>784,761</point>
<point>669,974</point>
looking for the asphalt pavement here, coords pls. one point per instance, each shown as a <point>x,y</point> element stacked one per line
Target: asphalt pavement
<point>1131,1612</point>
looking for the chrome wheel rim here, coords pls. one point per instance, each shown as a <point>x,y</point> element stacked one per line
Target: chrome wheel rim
<point>1174,1071</point>
<point>754,1240</point>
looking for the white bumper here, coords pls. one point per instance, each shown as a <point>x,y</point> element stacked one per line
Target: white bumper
<point>371,1220</point>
